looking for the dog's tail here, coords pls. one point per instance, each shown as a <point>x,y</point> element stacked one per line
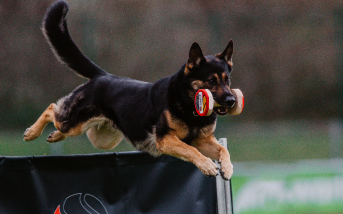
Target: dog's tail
<point>56,32</point>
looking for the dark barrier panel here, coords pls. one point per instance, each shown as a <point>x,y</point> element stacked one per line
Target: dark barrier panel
<point>115,183</point>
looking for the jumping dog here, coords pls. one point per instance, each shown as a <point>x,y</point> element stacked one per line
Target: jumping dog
<point>155,117</point>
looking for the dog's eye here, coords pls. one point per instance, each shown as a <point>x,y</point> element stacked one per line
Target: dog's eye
<point>212,81</point>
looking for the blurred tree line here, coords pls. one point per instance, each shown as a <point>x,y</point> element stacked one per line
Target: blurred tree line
<point>285,52</point>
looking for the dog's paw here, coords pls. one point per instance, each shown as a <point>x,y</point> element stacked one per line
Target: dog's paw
<point>55,136</point>
<point>226,169</point>
<point>208,167</point>
<point>31,134</point>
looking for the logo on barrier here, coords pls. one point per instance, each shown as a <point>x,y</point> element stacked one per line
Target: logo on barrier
<point>79,203</point>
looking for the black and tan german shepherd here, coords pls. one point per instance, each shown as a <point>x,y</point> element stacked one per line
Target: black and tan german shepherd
<point>155,117</point>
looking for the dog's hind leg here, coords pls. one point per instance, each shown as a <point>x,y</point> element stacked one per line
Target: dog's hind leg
<point>56,136</point>
<point>37,128</point>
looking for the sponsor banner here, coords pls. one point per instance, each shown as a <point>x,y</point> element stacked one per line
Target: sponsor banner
<point>132,182</point>
<point>307,186</point>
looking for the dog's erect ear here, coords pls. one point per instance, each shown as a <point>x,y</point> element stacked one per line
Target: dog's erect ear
<point>227,53</point>
<point>195,57</point>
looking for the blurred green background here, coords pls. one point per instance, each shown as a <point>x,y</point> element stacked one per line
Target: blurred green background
<point>287,61</point>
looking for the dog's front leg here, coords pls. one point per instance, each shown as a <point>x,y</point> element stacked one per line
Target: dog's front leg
<point>170,144</point>
<point>210,147</point>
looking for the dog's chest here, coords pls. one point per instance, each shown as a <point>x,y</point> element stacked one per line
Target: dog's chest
<point>188,133</point>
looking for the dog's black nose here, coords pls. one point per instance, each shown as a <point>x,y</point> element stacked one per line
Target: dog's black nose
<point>230,101</point>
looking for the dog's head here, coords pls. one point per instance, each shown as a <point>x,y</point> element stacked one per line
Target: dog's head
<point>213,73</point>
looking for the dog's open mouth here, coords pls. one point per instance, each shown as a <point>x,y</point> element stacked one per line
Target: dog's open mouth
<point>221,111</point>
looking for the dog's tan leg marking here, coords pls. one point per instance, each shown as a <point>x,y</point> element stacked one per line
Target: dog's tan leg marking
<point>210,147</point>
<point>37,128</point>
<point>170,144</point>
<point>56,136</point>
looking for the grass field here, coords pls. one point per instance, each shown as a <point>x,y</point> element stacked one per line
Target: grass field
<point>280,140</point>
<point>12,144</point>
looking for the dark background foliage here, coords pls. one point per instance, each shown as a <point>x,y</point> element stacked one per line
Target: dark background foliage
<point>286,53</point>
